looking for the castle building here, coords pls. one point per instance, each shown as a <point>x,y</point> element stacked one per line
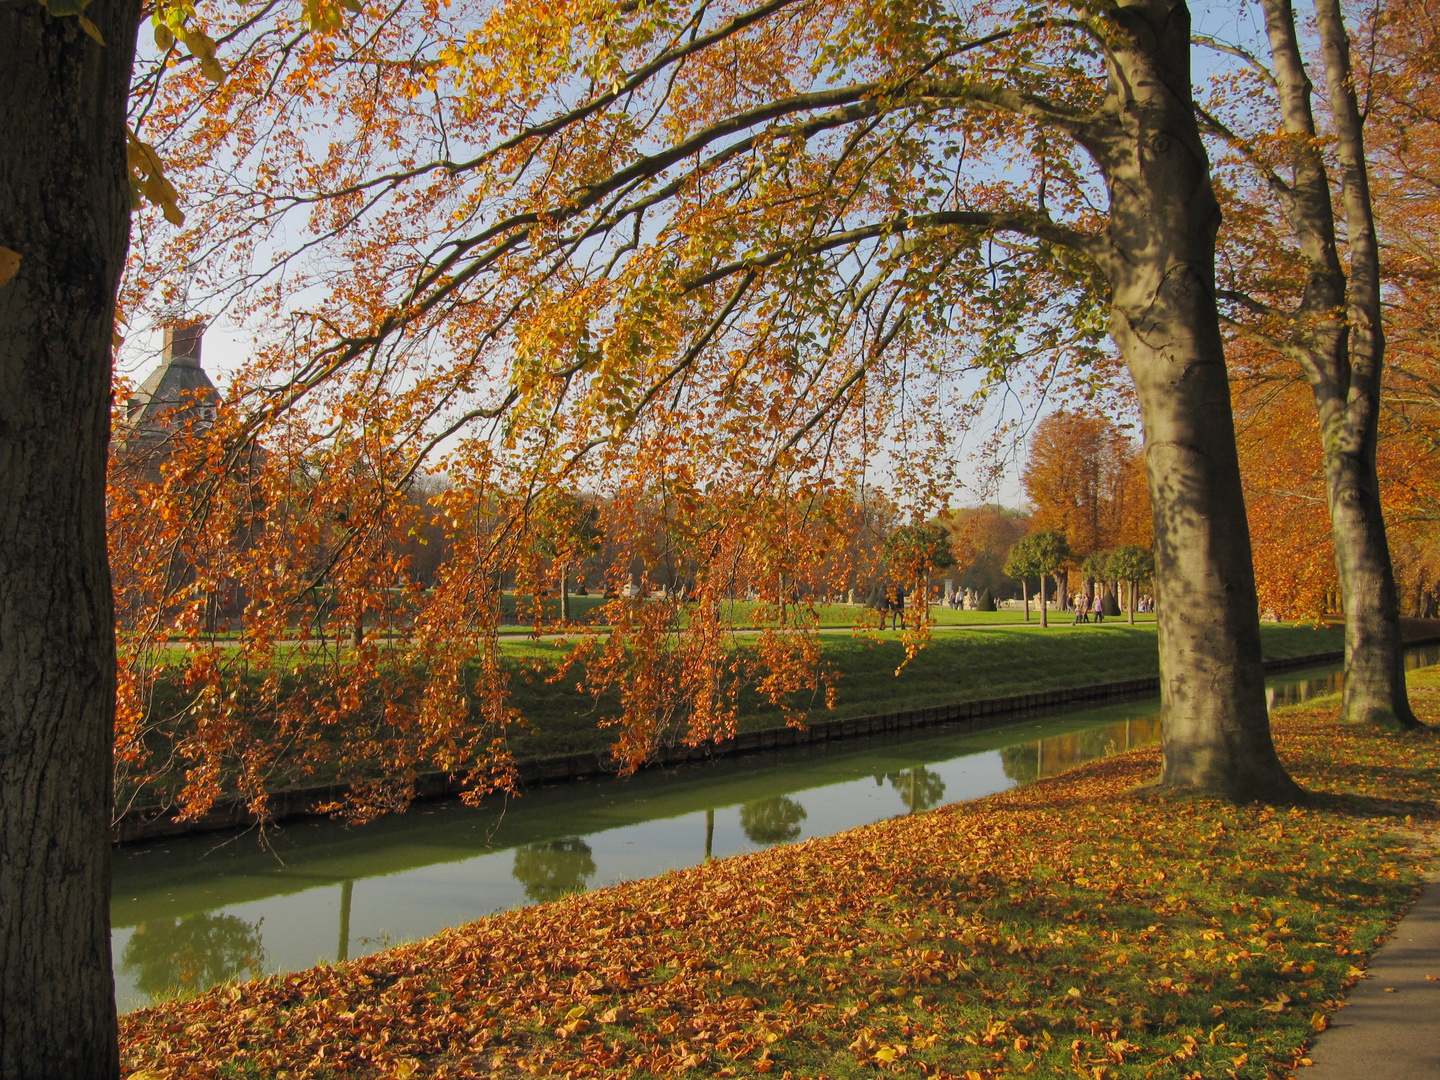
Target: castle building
<point>177,399</point>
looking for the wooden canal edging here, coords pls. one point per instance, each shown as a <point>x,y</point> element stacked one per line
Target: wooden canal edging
<point>300,802</point>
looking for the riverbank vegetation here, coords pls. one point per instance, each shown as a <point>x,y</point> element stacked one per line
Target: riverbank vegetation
<point>1081,923</point>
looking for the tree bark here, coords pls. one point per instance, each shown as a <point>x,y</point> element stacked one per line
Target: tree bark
<point>64,207</point>
<point>1164,318</point>
<point>1342,358</point>
<point>1044,611</point>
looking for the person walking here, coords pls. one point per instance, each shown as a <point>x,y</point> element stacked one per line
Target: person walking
<point>1098,607</point>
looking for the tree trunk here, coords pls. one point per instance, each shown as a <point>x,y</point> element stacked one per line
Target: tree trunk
<point>1044,611</point>
<point>1025,592</point>
<point>64,207</point>
<point>1374,648</point>
<point>1163,222</point>
<point>564,594</point>
<point>1343,361</point>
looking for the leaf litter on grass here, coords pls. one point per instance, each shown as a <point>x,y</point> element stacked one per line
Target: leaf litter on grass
<point>1074,927</point>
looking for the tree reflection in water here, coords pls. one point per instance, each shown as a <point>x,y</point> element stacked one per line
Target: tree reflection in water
<point>554,869</point>
<point>772,821</point>
<point>1050,757</point>
<point>193,953</point>
<point>919,788</point>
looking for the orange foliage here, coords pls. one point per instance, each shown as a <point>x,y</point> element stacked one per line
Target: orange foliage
<point>1277,435</point>
<point>694,264</point>
<point>1403,135</point>
<point>1085,478</point>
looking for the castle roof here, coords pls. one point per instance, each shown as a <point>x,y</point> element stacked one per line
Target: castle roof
<point>178,390</point>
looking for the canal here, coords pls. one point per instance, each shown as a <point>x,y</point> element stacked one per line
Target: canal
<point>191,912</point>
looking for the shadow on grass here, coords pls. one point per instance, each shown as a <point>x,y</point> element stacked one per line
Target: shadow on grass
<point>1373,806</point>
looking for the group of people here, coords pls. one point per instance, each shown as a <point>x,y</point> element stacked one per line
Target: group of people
<point>1084,608</point>
<point>1088,607</point>
<point>889,601</point>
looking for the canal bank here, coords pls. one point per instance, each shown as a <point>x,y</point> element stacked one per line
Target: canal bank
<point>152,822</point>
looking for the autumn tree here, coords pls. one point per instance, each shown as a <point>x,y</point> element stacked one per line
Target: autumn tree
<point>1297,295</point>
<point>1075,477</point>
<point>681,237</point>
<point>1401,83</point>
<point>981,537</point>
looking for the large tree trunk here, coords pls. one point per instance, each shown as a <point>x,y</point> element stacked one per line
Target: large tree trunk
<point>1164,217</point>
<point>64,207</point>
<point>1342,359</point>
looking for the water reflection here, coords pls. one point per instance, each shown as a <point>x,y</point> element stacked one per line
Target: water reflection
<point>919,788</point>
<point>554,869</point>
<point>772,821</point>
<point>347,894</point>
<point>1025,762</point>
<point>172,956</point>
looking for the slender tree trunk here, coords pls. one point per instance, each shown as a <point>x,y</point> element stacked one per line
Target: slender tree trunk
<point>1025,592</point>
<point>1163,222</point>
<point>1044,611</point>
<point>1343,360</point>
<point>1374,648</point>
<point>64,207</point>
<point>564,594</point>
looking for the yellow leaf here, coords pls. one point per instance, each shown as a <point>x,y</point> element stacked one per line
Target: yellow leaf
<point>91,29</point>
<point>212,69</point>
<point>9,264</point>
<point>173,213</point>
<point>200,44</point>
<point>164,39</point>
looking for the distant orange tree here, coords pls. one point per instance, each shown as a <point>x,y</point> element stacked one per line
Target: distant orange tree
<point>1085,479</point>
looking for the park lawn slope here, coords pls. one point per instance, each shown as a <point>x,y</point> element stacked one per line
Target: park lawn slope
<point>973,664</point>
<point>555,719</point>
<point>1073,926</point>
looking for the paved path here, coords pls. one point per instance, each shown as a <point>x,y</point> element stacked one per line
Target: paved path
<point>1390,1030</point>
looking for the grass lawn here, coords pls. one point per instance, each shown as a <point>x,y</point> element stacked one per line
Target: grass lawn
<point>1076,926</point>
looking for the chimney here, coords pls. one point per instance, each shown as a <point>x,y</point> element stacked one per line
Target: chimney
<point>183,339</point>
